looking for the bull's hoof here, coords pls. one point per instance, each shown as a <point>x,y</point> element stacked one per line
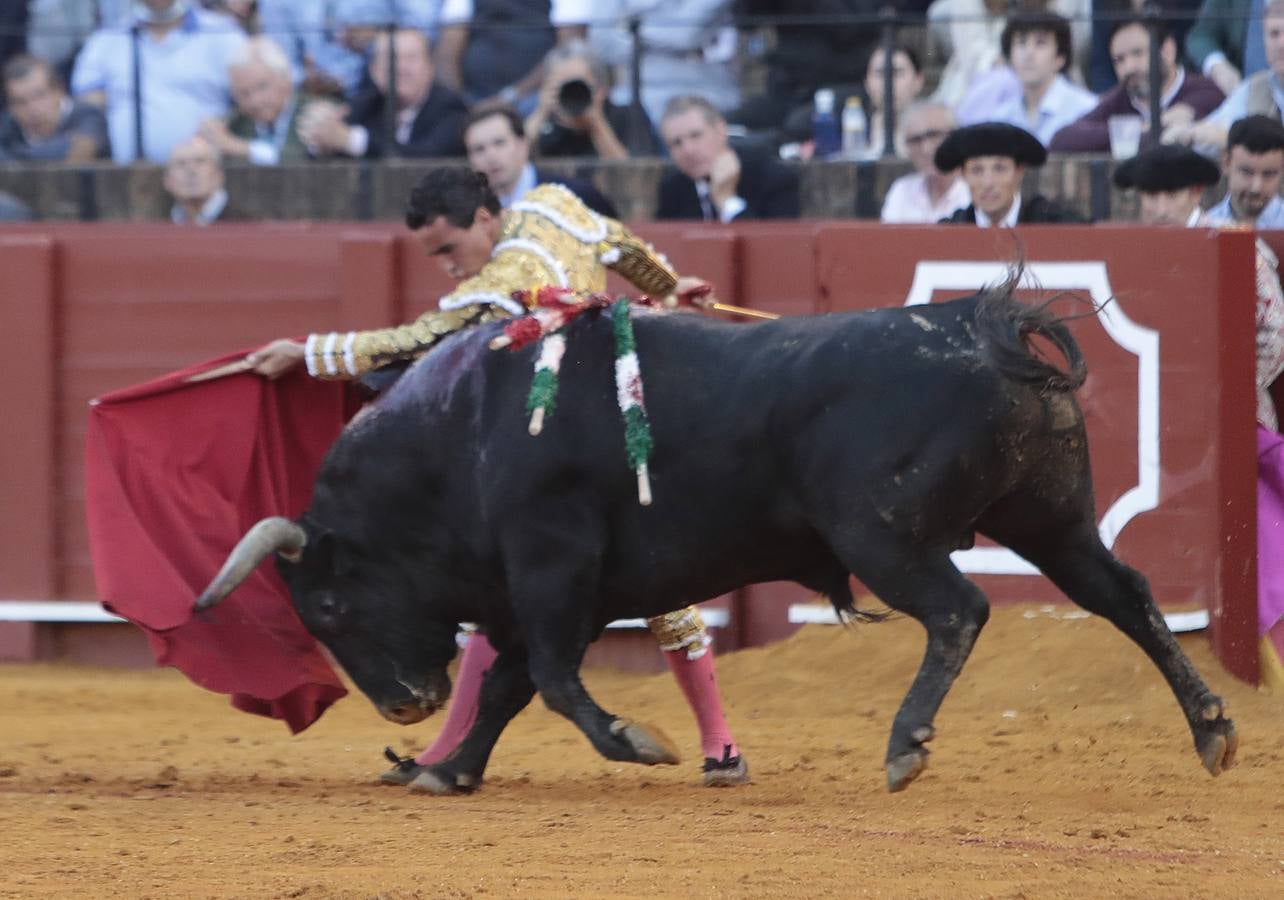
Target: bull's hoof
<point>1216,741</point>
<point>905,768</point>
<point>730,772</point>
<point>651,746</point>
<point>442,784</point>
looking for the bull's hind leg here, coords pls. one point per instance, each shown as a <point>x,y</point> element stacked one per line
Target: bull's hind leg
<point>924,584</point>
<point>506,690</point>
<point>1091,576</point>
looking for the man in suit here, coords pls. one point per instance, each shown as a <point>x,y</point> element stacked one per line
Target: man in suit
<point>428,115</point>
<point>714,181</point>
<point>496,143</point>
<point>194,178</point>
<point>264,127</point>
<point>994,157</point>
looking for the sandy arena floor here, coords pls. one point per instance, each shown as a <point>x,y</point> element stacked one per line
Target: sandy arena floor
<point>1062,768</point>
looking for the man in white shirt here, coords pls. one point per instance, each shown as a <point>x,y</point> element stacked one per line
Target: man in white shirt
<point>1037,46</point>
<point>1253,164</point>
<point>927,195</point>
<point>183,55</point>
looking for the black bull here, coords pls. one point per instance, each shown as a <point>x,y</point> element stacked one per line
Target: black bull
<point>804,449</point>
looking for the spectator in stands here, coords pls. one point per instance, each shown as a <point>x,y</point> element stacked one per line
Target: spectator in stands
<point>194,178</point>
<point>429,115</point>
<point>184,52</point>
<point>714,181</point>
<point>263,128</point>
<point>969,31</point>
<point>329,41</point>
<point>496,143</point>
<point>1038,48</point>
<point>927,195</point>
<point>907,84</point>
<point>1262,93</point>
<point>1225,41</point>
<point>496,48</point>
<point>994,157</point>
<point>688,47</point>
<point>1177,16</point>
<point>574,115</point>
<point>42,123</point>
<point>1184,97</point>
<point>808,55</point>
<point>1253,164</point>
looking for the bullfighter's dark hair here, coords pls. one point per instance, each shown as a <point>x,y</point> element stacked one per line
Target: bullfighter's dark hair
<point>451,191</point>
<point>1256,134</point>
<point>1039,22</point>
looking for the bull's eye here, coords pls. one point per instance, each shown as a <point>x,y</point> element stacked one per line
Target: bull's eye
<point>328,606</point>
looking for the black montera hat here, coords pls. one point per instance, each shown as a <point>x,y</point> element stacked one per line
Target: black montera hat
<point>989,139</point>
<point>1167,167</point>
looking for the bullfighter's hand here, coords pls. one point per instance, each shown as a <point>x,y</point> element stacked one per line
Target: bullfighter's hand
<point>275,359</point>
<point>693,290</point>
<point>724,177</point>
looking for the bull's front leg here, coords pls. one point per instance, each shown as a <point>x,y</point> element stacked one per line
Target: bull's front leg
<point>506,690</point>
<point>557,634</point>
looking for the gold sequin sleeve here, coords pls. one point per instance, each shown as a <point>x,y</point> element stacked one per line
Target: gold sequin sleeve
<point>641,264</point>
<point>516,265</point>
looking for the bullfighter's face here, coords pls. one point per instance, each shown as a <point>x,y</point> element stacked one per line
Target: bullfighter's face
<point>461,251</point>
<point>368,615</point>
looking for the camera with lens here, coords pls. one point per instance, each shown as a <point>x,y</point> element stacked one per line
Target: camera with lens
<point>574,97</point>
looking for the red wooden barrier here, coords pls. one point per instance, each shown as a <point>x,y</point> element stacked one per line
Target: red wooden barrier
<point>93,308</point>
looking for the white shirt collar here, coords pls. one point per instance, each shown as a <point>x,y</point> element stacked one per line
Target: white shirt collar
<point>209,212</point>
<point>1195,218</point>
<point>525,181</point>
<point>1009,220</point>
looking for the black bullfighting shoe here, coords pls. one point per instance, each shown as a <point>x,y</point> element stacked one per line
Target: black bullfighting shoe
<point>404,769</point>
<point>729,772</point>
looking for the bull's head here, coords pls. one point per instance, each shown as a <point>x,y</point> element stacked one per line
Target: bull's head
<point>368,612</point>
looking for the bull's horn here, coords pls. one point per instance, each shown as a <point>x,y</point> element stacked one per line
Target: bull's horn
<point>275,534</point>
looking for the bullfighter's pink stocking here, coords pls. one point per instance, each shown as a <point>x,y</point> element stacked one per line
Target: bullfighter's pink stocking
<point>699,684</point>
<point>461,712</point>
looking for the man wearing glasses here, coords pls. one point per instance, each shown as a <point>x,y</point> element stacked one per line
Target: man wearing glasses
<point>927,195</point>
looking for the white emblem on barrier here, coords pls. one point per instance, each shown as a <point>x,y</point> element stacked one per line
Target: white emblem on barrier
<point>1138,340</point>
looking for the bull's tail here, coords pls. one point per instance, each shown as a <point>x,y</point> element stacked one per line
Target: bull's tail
<point>1005,326</point>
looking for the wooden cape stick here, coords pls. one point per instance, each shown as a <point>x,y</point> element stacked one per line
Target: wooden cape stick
<point>235,367</point>
<point>743,311</point>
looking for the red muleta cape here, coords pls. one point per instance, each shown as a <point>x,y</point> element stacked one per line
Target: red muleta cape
<point>175,474</point>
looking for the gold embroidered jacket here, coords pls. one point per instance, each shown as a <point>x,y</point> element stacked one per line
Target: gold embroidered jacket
<point>549,237</point>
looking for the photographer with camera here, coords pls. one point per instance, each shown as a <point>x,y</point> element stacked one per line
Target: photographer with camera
<point>574,117</point>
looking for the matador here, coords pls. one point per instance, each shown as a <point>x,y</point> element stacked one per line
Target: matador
<point>548,238</point>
